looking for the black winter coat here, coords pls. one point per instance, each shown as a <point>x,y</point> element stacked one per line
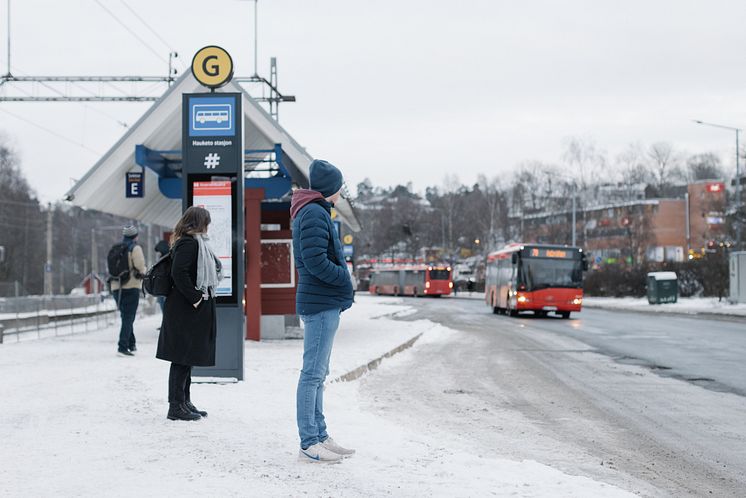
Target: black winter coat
<point>187,334</point>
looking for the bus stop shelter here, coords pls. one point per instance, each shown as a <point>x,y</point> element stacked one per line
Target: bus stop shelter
<point>274,163</point>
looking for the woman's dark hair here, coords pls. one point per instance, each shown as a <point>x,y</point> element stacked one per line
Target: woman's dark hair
<point>194,220</point>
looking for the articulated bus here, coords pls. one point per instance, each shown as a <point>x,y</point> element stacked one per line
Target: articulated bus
<point>417,280</point>
<point>534,277</point>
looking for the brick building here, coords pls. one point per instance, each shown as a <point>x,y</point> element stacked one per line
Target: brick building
<point>661,229</point>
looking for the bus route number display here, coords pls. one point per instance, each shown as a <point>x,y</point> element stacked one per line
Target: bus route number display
<point>215,196</point>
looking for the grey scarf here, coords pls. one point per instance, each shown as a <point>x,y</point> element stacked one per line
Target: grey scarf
<point>209,268</point>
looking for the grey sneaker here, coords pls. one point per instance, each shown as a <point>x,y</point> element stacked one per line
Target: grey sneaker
<point>318,453</point>
<point>332,446</point>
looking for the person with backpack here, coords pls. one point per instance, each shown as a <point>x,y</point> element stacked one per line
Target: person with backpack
<point>324,292</point>
<point>188,329</point>
<point>126,265</point>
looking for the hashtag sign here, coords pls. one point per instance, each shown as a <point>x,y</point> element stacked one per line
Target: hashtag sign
<point>212,160</point>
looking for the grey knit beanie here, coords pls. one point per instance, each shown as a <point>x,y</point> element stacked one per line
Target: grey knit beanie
<point>129,231</point>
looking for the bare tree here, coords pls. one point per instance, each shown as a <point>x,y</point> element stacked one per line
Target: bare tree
<point>664,163</point>
<point>495,212</point>
<point>632,166</point>
<point>706,166</point>
<point>22,227</point>
<point>450,204</point>
<point>585,161</point>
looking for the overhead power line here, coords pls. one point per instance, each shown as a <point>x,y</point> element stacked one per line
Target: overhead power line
<point>86,106</point>
<point>51,132</point>
<point>130,31</point>
<point>157,35</point>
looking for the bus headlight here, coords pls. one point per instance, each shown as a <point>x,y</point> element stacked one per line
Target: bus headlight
<point>427,285</point>
<point>522,299</point>
<point>450,285</point>
<point>577,301</point>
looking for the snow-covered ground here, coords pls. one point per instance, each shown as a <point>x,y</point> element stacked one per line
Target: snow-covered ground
<point>689,305</point>
<point>80,421</point>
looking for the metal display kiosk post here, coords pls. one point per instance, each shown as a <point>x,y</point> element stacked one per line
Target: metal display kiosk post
<point>212,177</point>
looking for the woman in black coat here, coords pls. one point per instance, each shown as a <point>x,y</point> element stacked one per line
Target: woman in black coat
<point>188,330</point>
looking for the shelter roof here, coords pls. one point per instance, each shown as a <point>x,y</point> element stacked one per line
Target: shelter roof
<point>102,187</point>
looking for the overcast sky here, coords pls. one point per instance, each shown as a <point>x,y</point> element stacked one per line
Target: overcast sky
<point>404,90</point>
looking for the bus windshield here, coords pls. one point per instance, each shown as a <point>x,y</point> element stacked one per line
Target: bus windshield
<point>439,274</point>
<point>541,273</point>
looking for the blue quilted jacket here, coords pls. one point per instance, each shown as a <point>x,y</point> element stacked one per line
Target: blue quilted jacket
<point>323,280</point>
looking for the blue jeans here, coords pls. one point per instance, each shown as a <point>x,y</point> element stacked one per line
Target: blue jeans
<point>317,348</point>
<point>130,298</point>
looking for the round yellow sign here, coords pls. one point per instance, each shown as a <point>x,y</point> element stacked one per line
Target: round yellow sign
<point>347,239</point>
<point>212,66</point>
<point>334,214</point>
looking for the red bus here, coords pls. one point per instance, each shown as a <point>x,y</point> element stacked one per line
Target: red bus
<point>535,277</point>
<point>418,280</point>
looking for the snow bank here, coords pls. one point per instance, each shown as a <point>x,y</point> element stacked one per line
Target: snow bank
<point>78,420</point>
<point>689,305</point>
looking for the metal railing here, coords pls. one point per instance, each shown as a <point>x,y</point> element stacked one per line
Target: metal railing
<point>36,317</point>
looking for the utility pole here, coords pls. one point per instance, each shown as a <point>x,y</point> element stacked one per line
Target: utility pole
<point>256,36</point>
<point>94,261</point>
<point>48,266</point>
<point>574,195</point>
<point>738,193</point>
<point>8,73</point>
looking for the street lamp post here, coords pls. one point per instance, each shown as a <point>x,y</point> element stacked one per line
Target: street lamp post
<point>738,174</point>
<point>574,195</point>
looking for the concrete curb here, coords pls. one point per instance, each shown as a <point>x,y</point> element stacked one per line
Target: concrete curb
<point>701,315</point>
<point>372,365</point>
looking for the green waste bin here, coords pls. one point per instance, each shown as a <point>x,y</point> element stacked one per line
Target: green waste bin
<point>663,287</point>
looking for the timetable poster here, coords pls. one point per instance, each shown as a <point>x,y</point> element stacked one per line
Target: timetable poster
<point>216,198</point>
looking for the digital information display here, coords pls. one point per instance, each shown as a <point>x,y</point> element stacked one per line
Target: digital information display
<point>536,252</point>
<point>216,198</point>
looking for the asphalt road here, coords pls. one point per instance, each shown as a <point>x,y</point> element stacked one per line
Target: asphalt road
<point>652,404</point>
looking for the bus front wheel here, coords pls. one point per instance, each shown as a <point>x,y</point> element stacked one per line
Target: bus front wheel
<point>565,314</point>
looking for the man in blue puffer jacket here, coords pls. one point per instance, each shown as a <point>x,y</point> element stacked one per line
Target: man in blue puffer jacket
<point>324,292</point>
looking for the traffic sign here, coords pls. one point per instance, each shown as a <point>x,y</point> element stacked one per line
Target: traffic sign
<point>212,116</point>
<point>212,66</point>
<point>348,250</point>
<point>347,239</point>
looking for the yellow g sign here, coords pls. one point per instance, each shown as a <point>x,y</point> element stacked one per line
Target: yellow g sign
<point>212,66</point>
<point>347,239</point>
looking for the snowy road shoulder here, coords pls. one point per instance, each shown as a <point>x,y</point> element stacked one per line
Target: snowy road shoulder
<point>78,420</point>
<point>709,306</point>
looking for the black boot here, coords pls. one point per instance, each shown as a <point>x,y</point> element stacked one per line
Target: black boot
<point>178,411</point>
<point>194,409</point>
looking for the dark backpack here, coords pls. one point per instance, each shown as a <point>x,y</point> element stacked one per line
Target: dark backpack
<point>117,262</point>
<point>157,280</point>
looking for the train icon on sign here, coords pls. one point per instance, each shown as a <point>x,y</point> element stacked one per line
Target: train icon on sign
<point>212,117</point>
